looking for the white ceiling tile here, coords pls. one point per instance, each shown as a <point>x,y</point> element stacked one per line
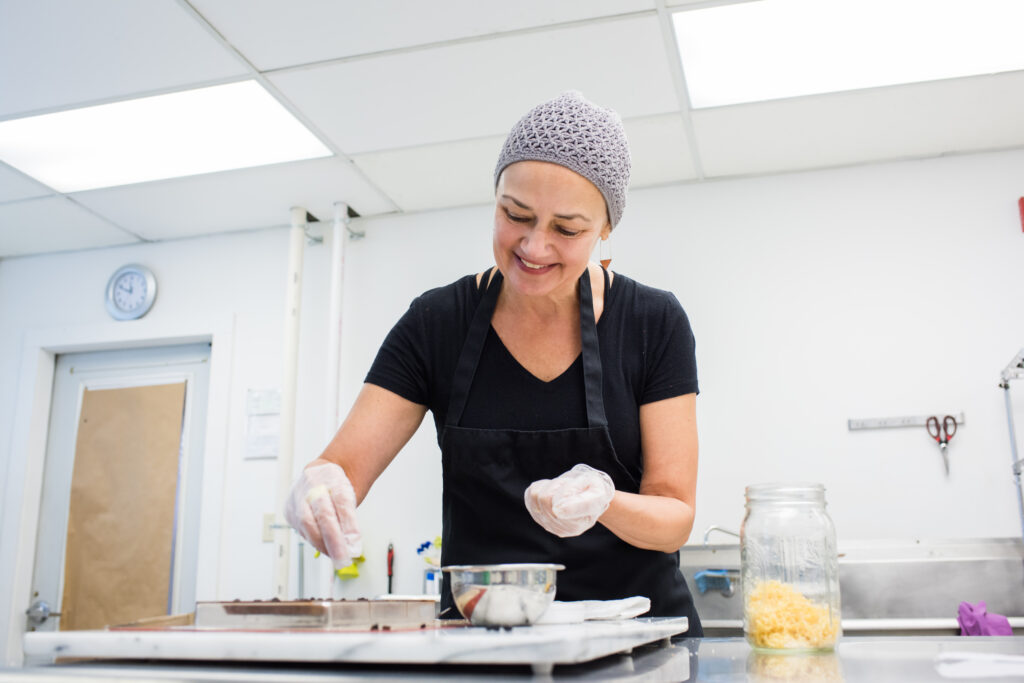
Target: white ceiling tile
<point>273,34</point>
<point>435,176</point>
<point>659,149</point>
<point>923,119</point>
<point>480,89</point>
<point>16,185</point>
<point>58,53</point>
<point>35,226</point>
<point>235,200</point>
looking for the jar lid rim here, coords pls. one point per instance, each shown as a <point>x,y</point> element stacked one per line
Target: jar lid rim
<point>786,492</point>
<point>785,486</point>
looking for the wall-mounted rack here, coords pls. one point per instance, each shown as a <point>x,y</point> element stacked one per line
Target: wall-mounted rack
<point>895,422</point>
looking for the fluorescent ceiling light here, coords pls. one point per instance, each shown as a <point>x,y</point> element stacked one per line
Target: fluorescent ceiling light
<point>771,49</point>
<point>223,127</point>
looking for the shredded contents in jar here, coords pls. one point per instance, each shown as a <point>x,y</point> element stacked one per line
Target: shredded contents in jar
<point>780,617</point>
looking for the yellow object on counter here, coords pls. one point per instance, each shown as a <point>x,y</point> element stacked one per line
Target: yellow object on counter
<point>779,617</point>
<point>349,572</point>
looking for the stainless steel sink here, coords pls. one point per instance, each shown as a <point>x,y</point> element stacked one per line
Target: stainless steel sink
<point>887,586</point>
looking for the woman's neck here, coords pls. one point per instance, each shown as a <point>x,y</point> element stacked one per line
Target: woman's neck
<point>549,307</point>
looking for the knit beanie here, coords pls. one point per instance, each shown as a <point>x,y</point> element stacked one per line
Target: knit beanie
<point>579,135</point>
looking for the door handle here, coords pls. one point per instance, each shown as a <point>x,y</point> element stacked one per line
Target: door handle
<point>39,612</point>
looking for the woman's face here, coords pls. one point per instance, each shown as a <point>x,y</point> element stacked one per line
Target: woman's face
<point>547,220</point>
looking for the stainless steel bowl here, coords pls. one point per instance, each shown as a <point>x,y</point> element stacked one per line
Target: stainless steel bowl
<point>503,594</point>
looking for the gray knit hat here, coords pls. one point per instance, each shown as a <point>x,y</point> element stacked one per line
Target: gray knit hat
<point>583,137</point>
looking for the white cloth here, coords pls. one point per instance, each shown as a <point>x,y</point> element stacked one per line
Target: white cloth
<point>585,610</point>
<point>978,665</point>
<point>570,503</point>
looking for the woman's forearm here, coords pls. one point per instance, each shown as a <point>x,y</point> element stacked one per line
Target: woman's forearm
<point>649,522</point>
<point>379,425</point>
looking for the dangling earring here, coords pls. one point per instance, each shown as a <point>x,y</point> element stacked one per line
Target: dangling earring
<point>605,252</point>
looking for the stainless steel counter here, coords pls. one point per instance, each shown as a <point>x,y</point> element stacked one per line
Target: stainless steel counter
<point>874,659</point>
<point>888,587</point>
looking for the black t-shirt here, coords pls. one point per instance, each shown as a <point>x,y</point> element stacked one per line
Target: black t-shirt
<point>647,354</point>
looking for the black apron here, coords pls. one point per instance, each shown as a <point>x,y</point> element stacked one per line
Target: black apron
<point>487,471</point>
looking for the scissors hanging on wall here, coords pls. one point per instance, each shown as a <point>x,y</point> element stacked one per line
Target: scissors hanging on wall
<point>942,433</point>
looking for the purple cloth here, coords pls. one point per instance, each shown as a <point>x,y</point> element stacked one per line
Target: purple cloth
<point>976,621</point>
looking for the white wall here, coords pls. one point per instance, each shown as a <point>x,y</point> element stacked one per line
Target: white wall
<point>882,290</point>
<point>237,278</point>
<point>875,291</point>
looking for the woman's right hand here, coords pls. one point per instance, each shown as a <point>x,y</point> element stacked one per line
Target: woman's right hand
<point>322,508</point>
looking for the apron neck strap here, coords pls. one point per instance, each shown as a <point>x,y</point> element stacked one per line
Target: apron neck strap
<point>593,375</point>
<point>469,358</point>
<point>465,369</point>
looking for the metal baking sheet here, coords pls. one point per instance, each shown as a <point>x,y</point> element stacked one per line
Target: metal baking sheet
<point>315,614</point>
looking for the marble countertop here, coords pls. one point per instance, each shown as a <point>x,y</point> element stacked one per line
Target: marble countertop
<point>856,659</point>
<point>540,647</point>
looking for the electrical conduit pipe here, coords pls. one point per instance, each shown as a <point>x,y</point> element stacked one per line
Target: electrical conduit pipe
<point>286,450</point>
<point>339,239</point>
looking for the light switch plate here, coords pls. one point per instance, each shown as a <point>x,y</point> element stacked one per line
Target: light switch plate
<point>268,527</point>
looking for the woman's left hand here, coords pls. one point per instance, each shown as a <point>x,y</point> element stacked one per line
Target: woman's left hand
<point>570,503</point>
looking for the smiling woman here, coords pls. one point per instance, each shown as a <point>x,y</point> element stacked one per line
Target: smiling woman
<point>564,397</point>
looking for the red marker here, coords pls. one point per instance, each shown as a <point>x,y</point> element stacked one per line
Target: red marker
<point>391,565</point>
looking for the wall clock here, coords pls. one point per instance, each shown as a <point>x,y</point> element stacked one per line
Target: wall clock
<point>131,292</point>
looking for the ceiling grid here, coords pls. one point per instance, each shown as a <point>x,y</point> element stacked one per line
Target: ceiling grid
<point>285,102</point>
<point>414,100</point>
<point>679,78</point>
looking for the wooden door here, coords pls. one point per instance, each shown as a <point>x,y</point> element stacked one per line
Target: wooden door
<point>119,517</point>
<point>121,510</point>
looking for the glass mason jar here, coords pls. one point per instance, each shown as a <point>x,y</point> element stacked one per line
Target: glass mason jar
<point>789,569</point>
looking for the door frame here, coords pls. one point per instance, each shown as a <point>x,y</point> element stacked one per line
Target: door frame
<point>78,373</point>
<point>19,515</point>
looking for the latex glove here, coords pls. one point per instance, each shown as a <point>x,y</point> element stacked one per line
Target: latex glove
<point>322,508</point>
<point>570,503</point>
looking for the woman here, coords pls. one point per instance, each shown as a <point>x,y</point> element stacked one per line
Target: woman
<point>563,396</point>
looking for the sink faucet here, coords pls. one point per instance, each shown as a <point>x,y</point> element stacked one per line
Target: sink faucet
<point>721,580</point>
<point>715,527</point>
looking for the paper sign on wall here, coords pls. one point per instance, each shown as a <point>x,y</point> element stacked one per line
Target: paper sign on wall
<point>263,424</point>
